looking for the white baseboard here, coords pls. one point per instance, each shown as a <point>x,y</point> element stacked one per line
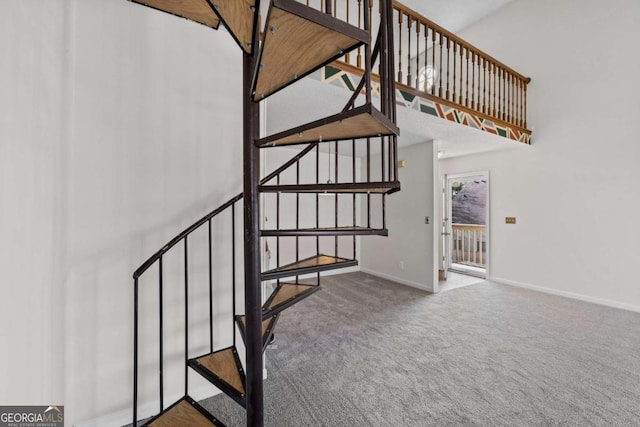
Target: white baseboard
<point>340,271</point>
<point>417,285</point>
<point>145,410</point>
<point>580,297</point>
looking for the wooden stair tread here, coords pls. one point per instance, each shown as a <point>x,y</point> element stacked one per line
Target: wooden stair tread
<point>265,324</point>
<point>239,18</point>
<point>291,46</point>
<point>325,231</point>
<point>185,412</point>
<point>331,188</point>
<point>268,325</point>
<point>309,265</point>
<point>224,364</point>
<point>313,262</point>
<point>361,122</point>
<point>287,291</point>
<point>193,10</point>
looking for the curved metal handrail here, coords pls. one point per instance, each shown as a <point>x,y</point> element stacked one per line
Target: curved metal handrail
<point>156,256</point>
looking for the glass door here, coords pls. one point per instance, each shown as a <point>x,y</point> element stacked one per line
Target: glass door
<point>466,223</point>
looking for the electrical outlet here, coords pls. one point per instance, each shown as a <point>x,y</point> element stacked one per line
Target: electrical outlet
<point>510,220</point>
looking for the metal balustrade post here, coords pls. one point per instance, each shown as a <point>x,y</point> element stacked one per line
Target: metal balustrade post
<point>161,333</point>
<point>385,29</point>
<point>233,271</point>
<point>317,150</point>
<point>335,205</point>
<point>210,262</point>
<point>186,315</point>
<point>367,51</point>
<point>354,197</point>
<point>387,22</point>
<point>135,351</point>
<point>297,214</point>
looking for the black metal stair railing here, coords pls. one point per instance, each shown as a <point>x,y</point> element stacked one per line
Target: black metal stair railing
<point>182,240</point>
<point>375,180</point>
<point>157,259</point>
<point>341,182</point>
<point>336,162</point>
<point>343,205</point>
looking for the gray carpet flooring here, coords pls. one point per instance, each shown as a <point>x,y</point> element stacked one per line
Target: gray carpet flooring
<point>368,352</point>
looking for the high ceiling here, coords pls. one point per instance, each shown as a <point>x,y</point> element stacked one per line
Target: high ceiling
<point>454,15</point>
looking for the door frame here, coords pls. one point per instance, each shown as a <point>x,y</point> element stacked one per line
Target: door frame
<point>446,235</point>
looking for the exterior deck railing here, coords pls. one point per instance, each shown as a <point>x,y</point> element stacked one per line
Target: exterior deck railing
<point>468,245</point>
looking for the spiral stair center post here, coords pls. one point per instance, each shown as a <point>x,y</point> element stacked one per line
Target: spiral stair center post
<point>252,286</point>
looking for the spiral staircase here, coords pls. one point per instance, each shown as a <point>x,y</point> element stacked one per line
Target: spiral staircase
<point>296,41</point>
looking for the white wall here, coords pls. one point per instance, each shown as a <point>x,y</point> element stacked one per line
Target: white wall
<point>409,254</point>
<point>119,126</point>
<point>31,134</point>
<point>575,193</point>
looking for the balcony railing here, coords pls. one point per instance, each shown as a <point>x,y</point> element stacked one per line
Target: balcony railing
<point>435,64</point>
<point>469,245</point>
<point>442,64</point>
